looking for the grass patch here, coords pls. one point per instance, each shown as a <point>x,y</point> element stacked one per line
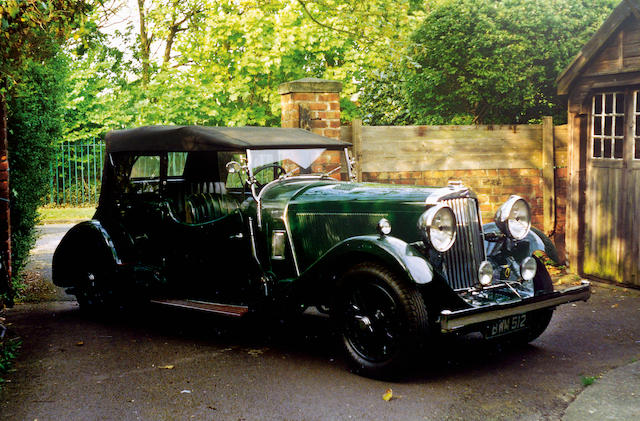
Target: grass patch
<point>8,352</point>
<point>50,215</point>
<point>587,380</point>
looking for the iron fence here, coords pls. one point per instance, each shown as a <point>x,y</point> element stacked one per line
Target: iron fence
<point>76,173</point>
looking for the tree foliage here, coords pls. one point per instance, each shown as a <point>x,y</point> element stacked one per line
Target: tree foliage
<point>226,59</point>
<point>496,60</point>
<point>34,126</point>
<point>31,77</point>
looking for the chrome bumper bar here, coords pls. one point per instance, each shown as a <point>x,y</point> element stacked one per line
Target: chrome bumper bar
<point>454,320</point>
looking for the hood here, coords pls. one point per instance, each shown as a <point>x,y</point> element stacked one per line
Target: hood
<point>322,213</point>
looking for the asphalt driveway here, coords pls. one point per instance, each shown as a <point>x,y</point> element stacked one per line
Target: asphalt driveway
<point>167,364</point>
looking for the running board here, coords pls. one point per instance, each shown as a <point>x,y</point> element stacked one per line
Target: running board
<point>222,309</point>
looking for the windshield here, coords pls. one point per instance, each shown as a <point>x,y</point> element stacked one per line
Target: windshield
<point>269,164</point>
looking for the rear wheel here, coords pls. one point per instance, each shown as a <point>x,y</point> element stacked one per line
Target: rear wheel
<point>382,319</point>
<point>94,283</point>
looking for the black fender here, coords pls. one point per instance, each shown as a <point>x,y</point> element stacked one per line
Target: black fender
<point>397,254</point>
<point>83,238</point>
<point>535,239</point>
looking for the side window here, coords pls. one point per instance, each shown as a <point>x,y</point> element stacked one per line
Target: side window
<point>145,175</point>
<point>175,163</point>
<point>607,131</point>
<point>146,166</point>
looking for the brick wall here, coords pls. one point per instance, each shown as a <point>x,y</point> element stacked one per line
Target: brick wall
<point>312,104</point>
<point>5,225</point>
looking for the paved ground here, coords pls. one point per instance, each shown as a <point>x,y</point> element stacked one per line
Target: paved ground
<point>166,364</point>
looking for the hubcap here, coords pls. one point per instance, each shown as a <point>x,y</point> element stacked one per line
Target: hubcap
<point>371,321</point>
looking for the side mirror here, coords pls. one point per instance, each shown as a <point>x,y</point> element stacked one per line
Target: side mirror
<point>233,167</point>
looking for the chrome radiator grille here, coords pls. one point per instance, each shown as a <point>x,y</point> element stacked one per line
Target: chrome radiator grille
<point>461,261</point>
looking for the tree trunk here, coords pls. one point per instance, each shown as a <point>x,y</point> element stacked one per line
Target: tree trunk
<point>145,46</point>
<point>167,49</point>
<point>5,221</point>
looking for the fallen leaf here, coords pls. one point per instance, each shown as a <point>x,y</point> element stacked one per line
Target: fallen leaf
<point>167,367</point>
<point>185,391</point>
<point>79,343</point>
<point>388,395</point>
<point>614,306</point>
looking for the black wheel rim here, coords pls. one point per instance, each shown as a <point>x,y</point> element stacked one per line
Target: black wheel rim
<point>371,322</point>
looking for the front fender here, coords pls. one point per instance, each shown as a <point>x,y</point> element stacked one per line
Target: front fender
<point>394,252</point>
<point>535,239</point>
<point>85,237</point>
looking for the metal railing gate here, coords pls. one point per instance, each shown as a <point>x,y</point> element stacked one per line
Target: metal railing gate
<point>76,173</point>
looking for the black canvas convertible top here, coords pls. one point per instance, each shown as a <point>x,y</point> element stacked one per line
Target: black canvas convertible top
<point>203,138</point>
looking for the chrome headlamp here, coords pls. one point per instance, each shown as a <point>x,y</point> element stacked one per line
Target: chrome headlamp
<point>438,227</point>
<point>514,218</point>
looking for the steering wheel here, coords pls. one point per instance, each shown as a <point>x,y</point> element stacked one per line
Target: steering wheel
<point>279,171</point>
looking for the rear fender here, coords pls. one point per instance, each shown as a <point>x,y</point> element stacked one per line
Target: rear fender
<point>391,251</point>
<point>85,237</point>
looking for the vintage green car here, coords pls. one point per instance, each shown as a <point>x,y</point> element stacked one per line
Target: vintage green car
<point>238,220</point>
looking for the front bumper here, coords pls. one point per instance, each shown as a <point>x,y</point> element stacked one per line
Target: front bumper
<point>451,321</point>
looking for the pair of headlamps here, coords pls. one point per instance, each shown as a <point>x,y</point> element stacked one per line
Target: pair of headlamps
<point>438,228</point>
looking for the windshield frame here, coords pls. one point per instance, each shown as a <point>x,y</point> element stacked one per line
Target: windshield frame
<point>251,157</point>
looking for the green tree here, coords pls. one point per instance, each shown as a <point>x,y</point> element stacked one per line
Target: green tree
<point>223,66</point>
<point>32,31</point>
<point>495,61</point>
<point>35,123</point>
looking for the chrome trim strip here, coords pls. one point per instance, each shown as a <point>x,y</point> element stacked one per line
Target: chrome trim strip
<point>451,192</point>
<point>453,320</point>
<point>285,219</point>
<point>254,250</point>
<point>381,215</point>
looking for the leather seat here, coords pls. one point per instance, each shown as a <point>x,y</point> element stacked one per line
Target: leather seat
<point>203,207</point>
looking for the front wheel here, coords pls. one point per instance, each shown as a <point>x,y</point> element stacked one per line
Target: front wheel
<point>382,319</point>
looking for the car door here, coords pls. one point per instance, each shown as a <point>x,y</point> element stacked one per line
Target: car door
<point>210,251</point>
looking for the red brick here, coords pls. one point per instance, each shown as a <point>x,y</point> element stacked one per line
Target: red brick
<point>317,106</point>
<point>334,133</point>
<point>335,106</point>
<point>303,96</point>
<point>318,124</point>
<point>334,124</point>
<point>329,97</point>
<point>330,115</point>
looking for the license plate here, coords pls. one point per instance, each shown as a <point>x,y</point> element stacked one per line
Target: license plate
<point>506,325</point>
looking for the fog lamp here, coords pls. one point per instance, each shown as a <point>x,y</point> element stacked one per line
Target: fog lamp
<point>528,268</point>
<point>384,227</point>
<point>485,273</point>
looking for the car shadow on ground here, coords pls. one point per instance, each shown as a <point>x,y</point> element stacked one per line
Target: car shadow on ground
<point>307,336</point>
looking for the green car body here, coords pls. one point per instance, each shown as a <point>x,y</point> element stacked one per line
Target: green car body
<point>180,231</point>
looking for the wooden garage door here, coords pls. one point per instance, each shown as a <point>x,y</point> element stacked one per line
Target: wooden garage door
<point>612,213</point>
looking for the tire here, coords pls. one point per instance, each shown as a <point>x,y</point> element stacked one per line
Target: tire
<point>382,320</point>
<point>94,283</point>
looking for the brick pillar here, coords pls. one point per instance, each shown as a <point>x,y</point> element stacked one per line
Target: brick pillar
<point>312,104</point>
<point>5,226</point>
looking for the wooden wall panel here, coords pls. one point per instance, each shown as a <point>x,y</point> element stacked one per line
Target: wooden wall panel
<point>422,148</point>
<point>602,242</point>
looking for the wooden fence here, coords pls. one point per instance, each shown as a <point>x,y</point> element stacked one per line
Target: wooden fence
<point>494,160</point>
